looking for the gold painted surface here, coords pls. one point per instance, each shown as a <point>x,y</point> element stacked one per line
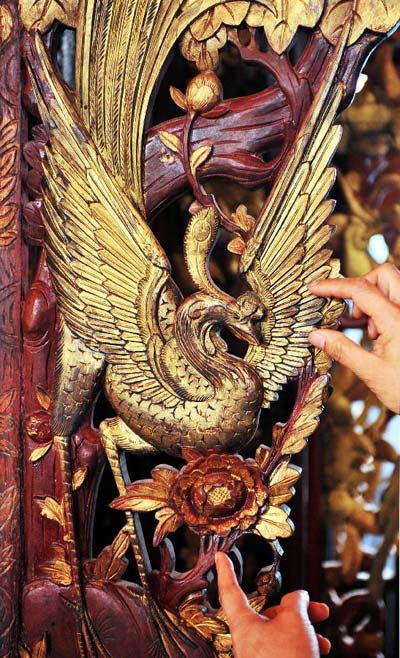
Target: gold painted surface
<point>161,360</point>
<point>111,273</point>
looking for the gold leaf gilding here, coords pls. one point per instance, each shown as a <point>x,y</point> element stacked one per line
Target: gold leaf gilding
<point>52,510</point>
<point>58,569</point>
<point>379,17</point>
<point>281,19</point>
<point>6,23</point>
<point>199,156</point>
<point>40,14</point>
<point>40,452</point>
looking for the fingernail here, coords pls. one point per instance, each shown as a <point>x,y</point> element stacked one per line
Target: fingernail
<point>218,560</point>
<point>318,339</point>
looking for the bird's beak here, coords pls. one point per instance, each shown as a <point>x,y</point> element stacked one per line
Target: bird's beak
<point>247,331</point>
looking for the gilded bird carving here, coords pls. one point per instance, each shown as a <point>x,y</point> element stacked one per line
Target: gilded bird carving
<point>161,360</point>
<point>124,325</point>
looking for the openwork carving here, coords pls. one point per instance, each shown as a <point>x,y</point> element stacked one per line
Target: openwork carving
<point>362,460</point>
<point>104,311</point>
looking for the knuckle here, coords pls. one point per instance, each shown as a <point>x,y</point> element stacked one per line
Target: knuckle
<point>336,350</point>
<point>389,268</point>
<point>363,285</point>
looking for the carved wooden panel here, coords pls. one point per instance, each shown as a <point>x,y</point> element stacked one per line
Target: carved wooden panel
<point>188,356</point>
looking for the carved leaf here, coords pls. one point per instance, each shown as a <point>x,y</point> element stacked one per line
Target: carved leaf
<point>7,559</point>
<point>110,563</point>
<point>233,13</point>
<point>6,399</point>
<point>274,523</point>
<point>229,13</point>
<point>40,14</point>
<point>236,246</point>
<point>23,653</point>
<point>6,23</point>
<point>206,26</point>
<point>262,456</point>
<point>170,140</point>
<point>304,419</point>
<point>168,521</point>
<point>376,16</point>
<point>7,215</point>
<point>281,482</point>
<point>281,19</point>
<point>8,152</point>
<point>242,218</point>
<point>58,569</point>
<point>6,448</point>
<point>198,157</point>
<point>43,398</point>
<point>40,648</point>
<point>204,53</point>
<point>8,161</point>
<point>8,499</point>
<point>178,98</point>
<point>147,495</point>
<point>195,614</point>
<point>8,134</point>
<point>78,477</point>
<point>6,422</point>
<point>40,452</point>
<point>52,510</point>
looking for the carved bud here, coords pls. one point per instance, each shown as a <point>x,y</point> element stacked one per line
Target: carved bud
<point>203,92</point>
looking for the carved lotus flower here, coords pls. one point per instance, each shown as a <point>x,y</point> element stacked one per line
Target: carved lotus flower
<point>203,92</point>
<point>216,494</point>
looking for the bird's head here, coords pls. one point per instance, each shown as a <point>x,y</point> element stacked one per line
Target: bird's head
<point>243,316</point>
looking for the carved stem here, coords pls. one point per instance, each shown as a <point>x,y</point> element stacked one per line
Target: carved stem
<point>62,444</point>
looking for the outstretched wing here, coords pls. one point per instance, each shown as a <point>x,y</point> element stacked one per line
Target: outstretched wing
<point>286,249</point>
<point>107,267</point>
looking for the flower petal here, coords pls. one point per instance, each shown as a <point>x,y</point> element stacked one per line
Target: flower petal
<point>190,454</point>
<point>262,456</point>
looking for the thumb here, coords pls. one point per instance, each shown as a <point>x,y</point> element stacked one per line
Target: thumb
<point>233,600</point>
<point>346,352</point>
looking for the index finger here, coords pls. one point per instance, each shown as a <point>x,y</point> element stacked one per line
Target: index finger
<point>387,278</point>
<point>366,295</point>
<point>233,600</point>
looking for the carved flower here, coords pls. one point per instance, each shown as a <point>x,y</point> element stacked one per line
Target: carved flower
<point>203,92</point>
<point>216,494</point>
<point>37,427</point>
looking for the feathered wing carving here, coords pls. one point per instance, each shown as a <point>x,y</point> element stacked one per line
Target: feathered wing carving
<point>107,267</point>
<point>118,67</point>
<point>286,249</point>
<point>120,73</point>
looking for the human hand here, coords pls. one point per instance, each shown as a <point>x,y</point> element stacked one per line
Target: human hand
<point>283,631</point>
<point>376,296</point>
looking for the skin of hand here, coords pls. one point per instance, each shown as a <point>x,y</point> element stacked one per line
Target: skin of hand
<point>376,297</point>
<point>283,631</point>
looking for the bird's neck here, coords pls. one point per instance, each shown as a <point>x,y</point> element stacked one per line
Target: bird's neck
<point>197,325</point>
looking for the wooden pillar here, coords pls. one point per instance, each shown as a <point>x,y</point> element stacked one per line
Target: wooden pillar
<point>11,269</point>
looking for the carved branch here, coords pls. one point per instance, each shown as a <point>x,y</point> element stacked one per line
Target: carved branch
<point>253,126</point>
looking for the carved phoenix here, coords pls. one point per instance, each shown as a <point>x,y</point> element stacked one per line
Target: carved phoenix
<point>160,358</point>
